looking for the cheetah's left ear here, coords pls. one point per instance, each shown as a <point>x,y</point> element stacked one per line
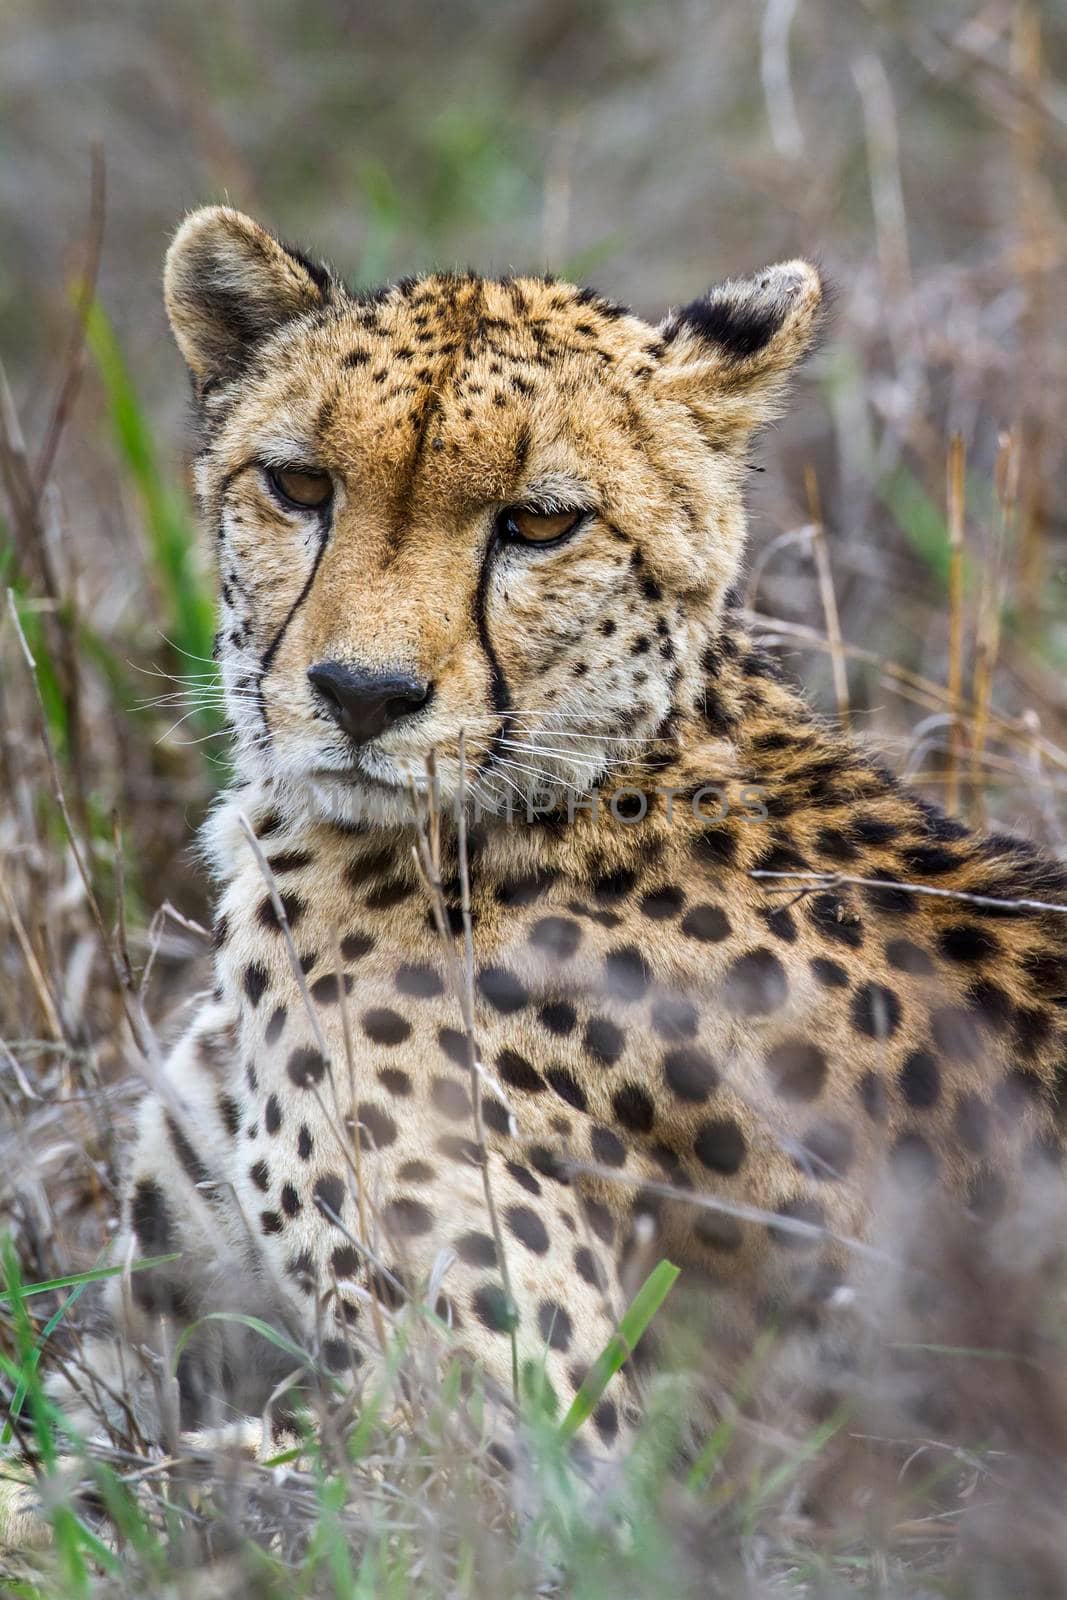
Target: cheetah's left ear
<point>728,355</point>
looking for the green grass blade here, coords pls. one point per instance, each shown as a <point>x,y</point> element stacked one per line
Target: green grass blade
<point>640,1312</point>
<point>94,1275</point>
<point>256,1324</point>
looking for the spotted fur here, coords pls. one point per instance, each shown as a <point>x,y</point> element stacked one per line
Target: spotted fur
<point>681,1057</point>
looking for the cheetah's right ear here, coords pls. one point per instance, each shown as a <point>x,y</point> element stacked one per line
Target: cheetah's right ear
<point>728,355</point>
<point>228,284</point>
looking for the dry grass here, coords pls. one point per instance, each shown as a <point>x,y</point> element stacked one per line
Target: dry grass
<point>908,561</point>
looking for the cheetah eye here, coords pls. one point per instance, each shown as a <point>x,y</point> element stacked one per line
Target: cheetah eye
<point>306,488</point>
<point>537,527</point>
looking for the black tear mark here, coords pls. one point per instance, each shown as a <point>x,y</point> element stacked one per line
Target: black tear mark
<point>739,328</point>
<point>499,693</point>
<point>272,649</point>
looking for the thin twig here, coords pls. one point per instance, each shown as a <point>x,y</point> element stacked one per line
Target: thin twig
<point>956,491</point>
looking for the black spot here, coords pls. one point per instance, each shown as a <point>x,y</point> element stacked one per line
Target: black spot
<point>383,1026</point>
<point>780,922</point>
<point>548,1163</point>
<point>151,1219</point>
<point>802,1209</point>
<point>612,886</point>
<point>454,1045</point>
<point>288,861</point>
<point>558,937</point>
<point>829,1149</point>
<point>502,989</point>
<point>528,1228</point>
<point>608,1148</point>
<point>604,1041</point>
<point>515,1070</point>
<point>662,903</point>
<point>270,1222</point>
<point>720,1145</point>
<point>875,1011</point>
<point>558,1017</point>
<point>992,1007</point>
<point>836,845</point>
<point>306,1067</point>
<point>457,1148</point>
<point>327,990</point>
<point>830,974</point>
<point>290,1200</point>
<point>633,1107</point>
<point>523,891</point>
<point>496,1116</point>
<point>755,984</point>
<point>345,1261</point>
<point>355,945</point>
<point>904,956</point>
<point>407,1216</point>
<point>255,981</point>
<point>835,920</point>
<point>957,1033</point>
<point>886,897</point>
<point>375,1125</point>
<point>419,981</point>
<point>567,1087</point>
<point>674,1018</point>
<point>967,942</point>
<point>929,861</point>
<point>476,1249</point>
<point>272,1114</point>
<point>272,1032</point>
<point>715,847</point>
<point>797,1069</point>
<point>717,1231</point>
<point>329,1192</point>
<point>192,1165</point>
<point>493,1308</point>
<point>304,1143</point>
<point>586,1267</point>
<point>451,1099</point>
<point>920,1079</point>
<point>872,1094</point>
<point>600,1221</point>
<point>554,1324</point>
<point>230,1113</point>
<point>394,1081</point>
<point>291,904</point>
<point>523,1177</point>
<point>690,1073</point>
<point>627,974</point>
<point>260,1176</point>
<point>416,1172</point>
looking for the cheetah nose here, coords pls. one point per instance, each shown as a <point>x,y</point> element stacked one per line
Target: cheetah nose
<point>365,704</point>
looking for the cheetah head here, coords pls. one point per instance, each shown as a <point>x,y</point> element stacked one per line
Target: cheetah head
<point>505,509</point>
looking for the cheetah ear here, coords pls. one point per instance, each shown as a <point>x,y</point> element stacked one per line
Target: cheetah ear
<point>728,355</point>
<point>228,284</point>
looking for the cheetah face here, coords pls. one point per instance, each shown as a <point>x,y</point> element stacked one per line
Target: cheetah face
<point>463,515</point>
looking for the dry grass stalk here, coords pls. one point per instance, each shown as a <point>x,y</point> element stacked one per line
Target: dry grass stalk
<point>826,592</point>
<point>956,504</point>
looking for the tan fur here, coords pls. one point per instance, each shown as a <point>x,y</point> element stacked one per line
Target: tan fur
<point>660,1021</point>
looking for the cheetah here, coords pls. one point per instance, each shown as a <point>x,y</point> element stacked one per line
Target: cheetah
<point>478,545</point>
